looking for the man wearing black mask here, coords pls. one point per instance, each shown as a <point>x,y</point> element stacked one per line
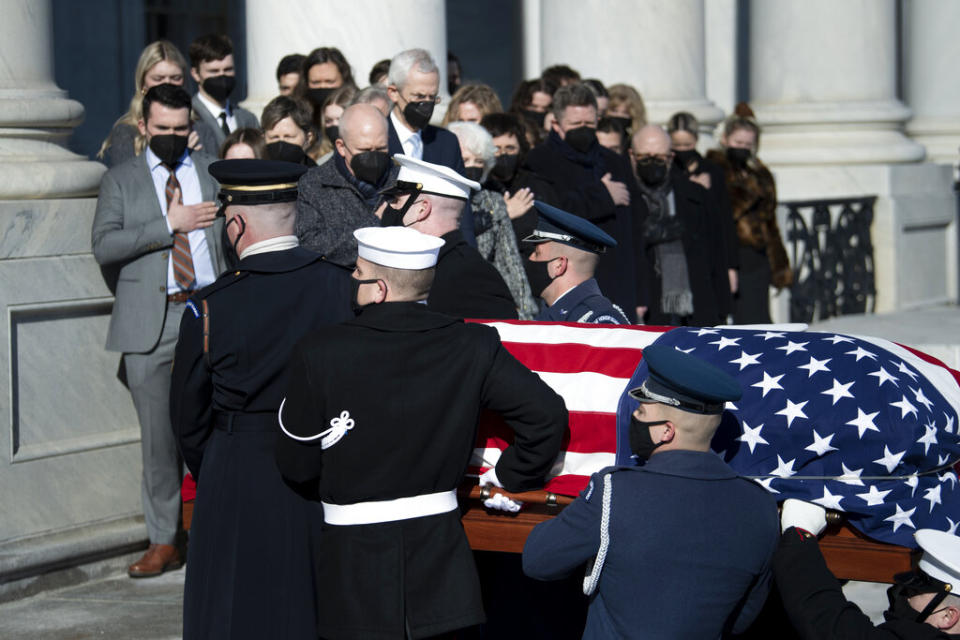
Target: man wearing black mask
<point>597,184</point>
<point>683,518</point>
<point>155,225</point>
<point>684,261</point>
<point>339,196</point>
<point>414,88</point>
<point>922,603</point>
<point>212,68</point>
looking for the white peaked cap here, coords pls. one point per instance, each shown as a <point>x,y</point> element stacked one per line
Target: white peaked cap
<point>941,555</point>
<point>397,247</point>
<point>435,178</point>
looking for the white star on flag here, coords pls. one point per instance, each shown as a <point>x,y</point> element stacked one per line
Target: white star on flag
<point>784,469</point>
<point>765,483</point>
<point>829,501</point>
<point>746,359</point>
<point>952,530</point>
<point>851,476</point>
<point>769,383</point>
<point>815,365</point>
<point>860,352</point>
<point>835,339</point>
<point>913,482</point>
<point>791,346</point>
<point>928,438</point>
<point>864,422</point>
<point>873,497</point>
<point>838,391</point>
<point>820,445</point>
<point>685,350</point>
<point>770,334</point>
<point>902,368</point>
<point>793,411</point>
<point>942,460</point>
<point>725,342</point>
<point>949,426</point>
<point>933,495</point>
<point>705,331</point>
<point>920,398</point>
<point>883,376</point>
<point>889,460</point>
<point>905,407</point>
<point>949,475</point>
<point>752,436</point>
<point>901,518</point>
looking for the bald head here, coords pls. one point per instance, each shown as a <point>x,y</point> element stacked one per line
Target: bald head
<point>364,128</point>
<point>650,140</point>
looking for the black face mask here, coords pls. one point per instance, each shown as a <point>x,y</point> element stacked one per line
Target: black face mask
<point>506,167</point>
<point>910,584</point>
<point>581,138</point>
<point>418,114</point>
<point>370,166</point>
<point>394,217</point>
<point>687,157</point>
<point>535,117</point>
<point>355,293</point>
<point>332,132</point>
<point>538,275</point>
<point>318,96</point>
<point>473,173</point>
<point>738,157</point>
<point>243,229</point>
<point>653,173</point>
<point>285,152</point>
<point>641,442</point>
<point>169,147</point>
<point>625,123</point>
<point>219,87</point>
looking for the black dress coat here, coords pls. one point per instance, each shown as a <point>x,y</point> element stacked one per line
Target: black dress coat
<point>467,286</point>
<point>413,383</point>
<point>721,198</point>
<point>703,247</point>
<point>581,192</point>
<point>249,563</point>
<point>542,189</point>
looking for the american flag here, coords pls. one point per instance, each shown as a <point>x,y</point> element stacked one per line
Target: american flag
<point>858,425</point>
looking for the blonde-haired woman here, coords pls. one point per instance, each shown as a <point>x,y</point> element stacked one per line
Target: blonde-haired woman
<point>159,63</point>
<point>626,107</point>
<point>470,103</point>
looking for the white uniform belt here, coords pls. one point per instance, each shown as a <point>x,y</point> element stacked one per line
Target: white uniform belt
<point>429,504</point>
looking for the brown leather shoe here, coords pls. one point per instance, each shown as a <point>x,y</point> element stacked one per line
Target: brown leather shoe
<point>157,559</point>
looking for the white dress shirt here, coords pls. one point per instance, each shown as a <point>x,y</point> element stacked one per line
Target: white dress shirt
<point>191,194</point>
<point>216,110</point>
<point>410,140</point>
<point>280,243</point>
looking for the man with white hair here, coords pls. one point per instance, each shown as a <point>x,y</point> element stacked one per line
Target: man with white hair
<point>382,411</point>
<point>339,196</point>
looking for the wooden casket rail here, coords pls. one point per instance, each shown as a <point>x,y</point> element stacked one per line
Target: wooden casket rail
<point>849,554</point>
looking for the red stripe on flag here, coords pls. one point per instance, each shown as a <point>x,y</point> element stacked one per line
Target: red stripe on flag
<point>575,358</point>
<point>592,327</point>
<point>568,485</point>
<point>596,432</point>
<point>926,357</point>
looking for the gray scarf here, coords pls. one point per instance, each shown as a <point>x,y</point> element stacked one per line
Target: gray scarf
<point>662,230</point>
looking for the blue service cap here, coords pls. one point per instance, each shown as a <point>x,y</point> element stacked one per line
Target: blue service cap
<point>556,225</point>
<point>685,381</point>
<point>255,181</point>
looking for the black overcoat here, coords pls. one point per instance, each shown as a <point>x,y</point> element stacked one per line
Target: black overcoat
<point>467,286</point>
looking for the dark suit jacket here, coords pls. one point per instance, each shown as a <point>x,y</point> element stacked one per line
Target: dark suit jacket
<point>211,135</point>
<point>467,286</point>
<point>703,246</point>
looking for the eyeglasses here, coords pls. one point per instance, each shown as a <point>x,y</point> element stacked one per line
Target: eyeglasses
<point>651,158</point>
<point>424,97</point>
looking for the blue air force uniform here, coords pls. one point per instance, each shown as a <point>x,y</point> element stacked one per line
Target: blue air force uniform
<point>688,546</point>
<point>249,569</point>
<point>584,303</point>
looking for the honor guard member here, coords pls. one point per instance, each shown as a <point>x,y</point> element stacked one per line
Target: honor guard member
<point>383,410</point>
<point>923,604</point>
<point>249,570</point>
<point>561,268</point>
<point>680,547</point>
<point>430,198</point>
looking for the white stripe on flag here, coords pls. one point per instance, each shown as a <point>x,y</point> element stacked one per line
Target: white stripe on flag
<point>581,464</point>
<point>560,334</point>
<point>586,390</point>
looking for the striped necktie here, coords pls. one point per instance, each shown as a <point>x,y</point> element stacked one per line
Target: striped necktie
<point>182,258</point>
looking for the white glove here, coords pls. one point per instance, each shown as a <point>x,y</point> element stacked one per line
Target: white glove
<point>498,501</point>
<point>803,515</point>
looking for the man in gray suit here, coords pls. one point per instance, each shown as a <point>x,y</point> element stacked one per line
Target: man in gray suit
<point>155,226</point>
<point>212,68</point>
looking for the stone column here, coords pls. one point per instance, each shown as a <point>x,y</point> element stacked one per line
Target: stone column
<point>366,31</point>
<point>823,82</point>
<point>658,47</point>
<point>931,76</point>
<point>36,117</point>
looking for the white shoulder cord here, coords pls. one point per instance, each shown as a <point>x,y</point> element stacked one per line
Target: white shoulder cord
<point>593,573</point>
<point>329,437</point>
